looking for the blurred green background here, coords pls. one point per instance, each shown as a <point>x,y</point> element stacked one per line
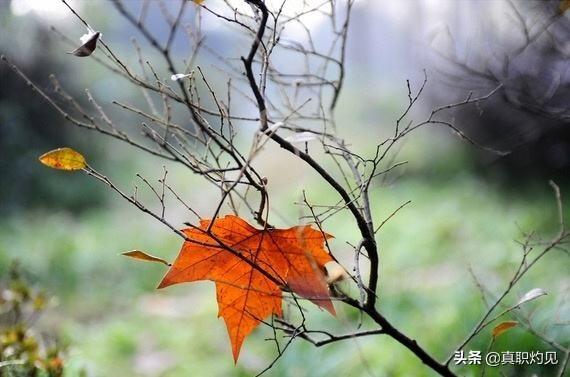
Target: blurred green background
<point>67,230</point>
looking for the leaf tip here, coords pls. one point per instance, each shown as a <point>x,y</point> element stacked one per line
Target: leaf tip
<point>161,285</point>
<point>165,282</point>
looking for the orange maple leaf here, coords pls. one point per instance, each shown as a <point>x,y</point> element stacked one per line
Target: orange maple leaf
<point>251,267</point>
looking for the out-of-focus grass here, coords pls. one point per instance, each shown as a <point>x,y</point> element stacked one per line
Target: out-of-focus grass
<point>118,324</point>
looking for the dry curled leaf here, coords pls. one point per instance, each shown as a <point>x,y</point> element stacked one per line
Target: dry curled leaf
<point>199,2</point>
<point>141,255</point>
<point>63,159</point>
<point>291,259</point>
<point>533,294</point>
<point>502,327</point>
<point>89,41</point>
<point>180,76</point>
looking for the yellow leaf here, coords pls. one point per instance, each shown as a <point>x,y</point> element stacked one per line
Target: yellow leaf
<point>502,327</point>
<point>63,159</point>
<point>564,5</point>
<point>137,254</point>
<point>198,1</point>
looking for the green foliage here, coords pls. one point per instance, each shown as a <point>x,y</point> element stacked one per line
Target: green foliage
<point>22,352</point>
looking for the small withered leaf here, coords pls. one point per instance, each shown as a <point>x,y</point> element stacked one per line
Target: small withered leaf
<point>502,327</point>
<point>88,47</point>
<point>180,76</point>
<point>531,295</point>
<point>141,255</point>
